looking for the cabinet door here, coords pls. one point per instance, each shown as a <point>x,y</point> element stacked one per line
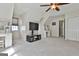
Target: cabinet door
<point>8,40</point>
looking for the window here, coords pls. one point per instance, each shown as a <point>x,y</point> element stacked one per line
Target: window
<point>14,28</point>
<point>15,24</point>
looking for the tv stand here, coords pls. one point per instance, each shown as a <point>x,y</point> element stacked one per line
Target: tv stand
<point>32,38</point>
<point>32,32</point>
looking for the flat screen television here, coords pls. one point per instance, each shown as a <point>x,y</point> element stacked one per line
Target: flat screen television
<point>33,26</point>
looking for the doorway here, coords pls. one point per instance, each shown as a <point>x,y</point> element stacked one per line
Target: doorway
<point>62,28</point>
<point>15,30</point>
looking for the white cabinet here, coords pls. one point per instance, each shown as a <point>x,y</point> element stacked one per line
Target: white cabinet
<point>8,40</point>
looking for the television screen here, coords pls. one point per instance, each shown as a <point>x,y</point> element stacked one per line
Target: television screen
<point>33,26</point>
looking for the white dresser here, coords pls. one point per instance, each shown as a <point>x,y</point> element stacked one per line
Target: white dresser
<point>8,40</point>
<point>5,40</point>
<point>5,34</point>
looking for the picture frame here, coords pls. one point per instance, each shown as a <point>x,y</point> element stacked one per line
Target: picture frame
<point>53,23</point>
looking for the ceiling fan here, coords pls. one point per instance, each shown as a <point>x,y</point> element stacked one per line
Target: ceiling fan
<point>54,6</point>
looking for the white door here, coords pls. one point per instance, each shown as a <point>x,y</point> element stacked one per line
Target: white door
<point>73,29</point>
<point>55,28</point>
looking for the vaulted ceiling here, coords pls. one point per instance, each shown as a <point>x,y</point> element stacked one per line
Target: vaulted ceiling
<point>34,11</point>
<point>31,10</point>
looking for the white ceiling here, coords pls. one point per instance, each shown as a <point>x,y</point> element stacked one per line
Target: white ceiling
<point>6,11</point>
<point>34,11</point>
<point>30,10</point>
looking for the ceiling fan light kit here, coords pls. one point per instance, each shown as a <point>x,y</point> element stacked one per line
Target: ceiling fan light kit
<point>53,6</point>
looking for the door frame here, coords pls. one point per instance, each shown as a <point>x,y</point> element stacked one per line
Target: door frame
<point>63,29</point>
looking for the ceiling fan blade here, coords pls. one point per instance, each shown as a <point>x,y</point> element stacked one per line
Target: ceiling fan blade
<point>51,3</point>
<point>44,5</point>
<point>57,9</point>
<point>62,3</point>
<point>48,9</point>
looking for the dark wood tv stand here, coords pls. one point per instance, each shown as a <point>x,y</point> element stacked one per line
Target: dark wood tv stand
<point>32,38</point>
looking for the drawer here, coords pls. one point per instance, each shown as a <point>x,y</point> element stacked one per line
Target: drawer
<point>2,38</point>
<point>1,45</point>
<point>2,41</point>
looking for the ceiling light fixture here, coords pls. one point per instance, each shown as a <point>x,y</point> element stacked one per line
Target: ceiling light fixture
<point>53,6</point>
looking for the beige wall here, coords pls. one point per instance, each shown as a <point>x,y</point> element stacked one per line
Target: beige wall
<point>24,26</point>
<point>70,19</point>
<point>54,29</point>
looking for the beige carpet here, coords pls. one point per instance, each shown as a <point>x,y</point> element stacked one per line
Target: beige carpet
<point>45,47</point>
